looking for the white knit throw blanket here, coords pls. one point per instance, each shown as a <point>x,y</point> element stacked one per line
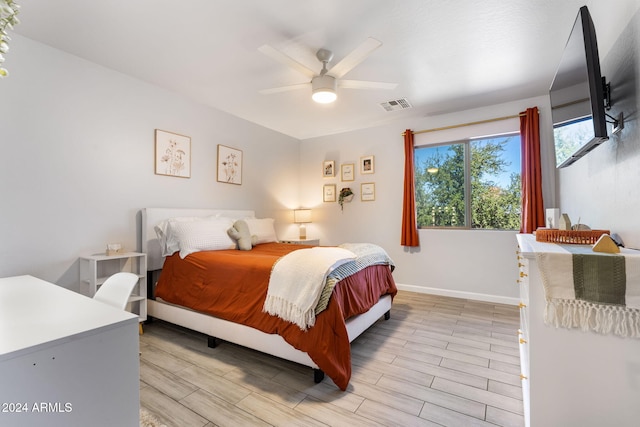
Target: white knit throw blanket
<point>564,309</point>
<point>297,280</point>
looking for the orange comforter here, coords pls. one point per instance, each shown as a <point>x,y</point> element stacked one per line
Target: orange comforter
<point>233,284</point>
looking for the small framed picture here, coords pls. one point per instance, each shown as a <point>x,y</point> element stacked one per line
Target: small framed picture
<point>173,154</point>
<point>328,168</point>
<point>229,165</point>
<point>368,191</point>
<point>366,165</point>
<point>329,193</point>
<point>347,172</point>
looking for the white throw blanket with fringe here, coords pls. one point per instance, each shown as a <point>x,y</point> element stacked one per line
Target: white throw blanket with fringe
<point>297,280</point>
<point>564,309</point>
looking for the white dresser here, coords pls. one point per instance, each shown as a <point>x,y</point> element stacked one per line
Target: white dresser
<point>571,377</point>
<point>65,359</point>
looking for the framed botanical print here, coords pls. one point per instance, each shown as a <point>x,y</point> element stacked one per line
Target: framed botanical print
<point>329,193</point>
<point>172,154</point>
<point>347,172</point>
<point>368,191</point>
<point>328,168</point>
<point>229,165</point>
<point>366,165</point>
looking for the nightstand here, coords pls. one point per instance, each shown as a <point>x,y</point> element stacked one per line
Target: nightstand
<point>96,268</point>
<point>311,242</point>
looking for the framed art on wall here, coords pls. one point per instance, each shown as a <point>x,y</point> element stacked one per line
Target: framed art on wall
<point>229,165</point>
<point>172,154</point>
<point>329,193</point>
<point>347,172</point>
<point>368,191</point>
<point>328,168</point>
<point>366,165</point>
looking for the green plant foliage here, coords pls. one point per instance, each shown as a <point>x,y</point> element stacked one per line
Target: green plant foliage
<point>8,19</point>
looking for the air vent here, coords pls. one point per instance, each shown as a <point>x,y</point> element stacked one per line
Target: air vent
<point>396,104</point>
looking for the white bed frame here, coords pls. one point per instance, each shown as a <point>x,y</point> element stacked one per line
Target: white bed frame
<point>245,336</point>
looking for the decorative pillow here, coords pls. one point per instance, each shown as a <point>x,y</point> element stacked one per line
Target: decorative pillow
<point>168,243</point>
<point>240,233</point>
<point>205,235</point>
<point>262,229</point>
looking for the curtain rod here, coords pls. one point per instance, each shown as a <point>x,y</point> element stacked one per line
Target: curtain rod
<point>466,124</point>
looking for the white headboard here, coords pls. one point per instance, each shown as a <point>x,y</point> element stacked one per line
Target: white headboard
<point>152,216</point>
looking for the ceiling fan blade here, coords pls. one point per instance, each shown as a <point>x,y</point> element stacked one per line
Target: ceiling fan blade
<point>361,84</point>
<point>286,60</point>
<point>355,57</point>
<point>285,88</point>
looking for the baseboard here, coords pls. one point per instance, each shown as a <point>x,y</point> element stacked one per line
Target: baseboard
<point>459,294</point>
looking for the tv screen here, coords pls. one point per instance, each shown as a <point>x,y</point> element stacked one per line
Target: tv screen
<point>577,95</point>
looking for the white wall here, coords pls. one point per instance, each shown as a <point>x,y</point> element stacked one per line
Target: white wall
<point>77,161</point>
<point>603,188</point>
<point>467,263</point>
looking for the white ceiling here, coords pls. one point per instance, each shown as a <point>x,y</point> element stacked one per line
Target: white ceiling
<point>445,55</point>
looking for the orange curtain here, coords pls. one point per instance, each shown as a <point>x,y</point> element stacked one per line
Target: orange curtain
<point>409,223</point>
<point>532,204</point>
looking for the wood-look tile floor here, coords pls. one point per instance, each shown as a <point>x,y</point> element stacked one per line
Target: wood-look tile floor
<point>438,361</point>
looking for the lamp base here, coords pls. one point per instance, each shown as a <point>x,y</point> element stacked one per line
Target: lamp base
<point>303,232</point>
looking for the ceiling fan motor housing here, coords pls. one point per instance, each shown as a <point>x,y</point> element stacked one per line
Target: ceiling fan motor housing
<point>324,55</point>
<point>324,88</point>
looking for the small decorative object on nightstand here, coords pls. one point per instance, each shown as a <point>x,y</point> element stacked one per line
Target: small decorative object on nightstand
<point>96,268</point>
<point>310,242</point>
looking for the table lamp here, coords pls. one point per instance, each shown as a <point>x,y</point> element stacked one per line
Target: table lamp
<point>302,216</point>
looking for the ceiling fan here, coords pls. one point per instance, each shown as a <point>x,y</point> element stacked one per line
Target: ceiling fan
<point>324,85</point>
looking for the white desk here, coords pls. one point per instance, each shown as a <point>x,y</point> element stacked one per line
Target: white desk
<point>65,359</point>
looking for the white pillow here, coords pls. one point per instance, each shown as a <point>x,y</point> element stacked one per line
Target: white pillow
<point>168,243</point>
<point>262,229</point>
<point>205,235</point>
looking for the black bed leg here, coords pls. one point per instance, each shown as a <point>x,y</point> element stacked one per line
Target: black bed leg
<point>318,376</point>
<point>211,342</point>
<point>387,315</point>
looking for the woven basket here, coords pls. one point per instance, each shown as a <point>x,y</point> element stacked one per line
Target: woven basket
<point>574,237</point>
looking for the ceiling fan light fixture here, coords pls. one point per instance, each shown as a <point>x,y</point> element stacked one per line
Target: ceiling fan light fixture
<point>324,89</point>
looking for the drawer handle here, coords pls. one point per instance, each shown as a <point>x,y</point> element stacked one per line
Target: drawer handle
<point>523,274</point>
<point>520,332</point>
<point>523,377</point>
<point>520,264</point>
<point>522,305</point>
<point>523,341</point>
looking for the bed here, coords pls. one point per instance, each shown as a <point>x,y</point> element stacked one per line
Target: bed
<point>261,331</point>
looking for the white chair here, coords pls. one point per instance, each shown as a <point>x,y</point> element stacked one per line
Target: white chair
<point>117,289</point>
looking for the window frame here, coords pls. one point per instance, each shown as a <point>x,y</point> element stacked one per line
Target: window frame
<point>466,142</point>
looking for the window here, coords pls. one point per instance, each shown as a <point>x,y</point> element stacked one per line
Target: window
<point>469,184</point>
<point>570,136</point>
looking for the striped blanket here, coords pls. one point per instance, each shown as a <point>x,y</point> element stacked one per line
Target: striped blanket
<point>366,254</point>
<point>302,282</point>
<point>296,283</point>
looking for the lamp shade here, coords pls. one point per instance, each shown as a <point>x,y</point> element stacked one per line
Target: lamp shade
<point>300,216</point>
<point>324,89</point>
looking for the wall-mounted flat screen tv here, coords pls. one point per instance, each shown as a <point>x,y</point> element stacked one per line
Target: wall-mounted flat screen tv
<point>577,95</point>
